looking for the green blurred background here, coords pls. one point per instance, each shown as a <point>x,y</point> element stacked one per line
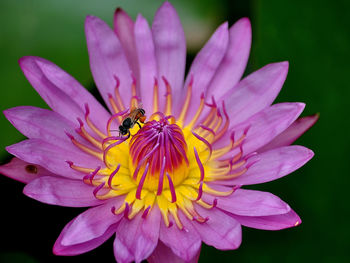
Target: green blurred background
<point>314,36</point>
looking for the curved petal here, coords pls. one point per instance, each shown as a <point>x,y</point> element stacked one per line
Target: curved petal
<point>74,90</point>
<point>264,126</point>
<point>190,243</point>
<point>252,203</point>
<point>91,224</point>
<point>274,222</point>
<point>86,232</point>
<point>170,47</point>
<point>54,96</point>
<point>272,165</point>
<point>235,60</point>
<point>107,60</point>
<point>23,171</point>
<point>292,133</point>
<point>137,238</point>
<point>42,124</point>
<point>52,157</point>
<point>124,28</point>
<point>204,67</point>
<point>162,254</point>
<point>221,230</point>
<point>62,192</point>
<point>255,92</point>
<point>147,61</point>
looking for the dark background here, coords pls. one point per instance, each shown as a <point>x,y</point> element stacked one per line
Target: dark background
<point>314,36</point>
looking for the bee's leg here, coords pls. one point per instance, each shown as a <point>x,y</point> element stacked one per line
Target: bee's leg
<point>138,124</point>
<point>129,134</point>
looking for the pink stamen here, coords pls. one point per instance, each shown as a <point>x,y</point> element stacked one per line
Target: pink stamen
<point>145,213</point>
<point>107,149</point>
<point>252,163</point>
<point>207,129</point>
<point>200,165</point>
<point>97,189</point>
<point>143,160</point>
<point>206,143</point>
<point>112,176</point>
<point>161,177</point>
<point>126,210</point>
<point>142,180</point>
<point>113,117</point>
<point>172,188</point>
<point>200,191</point>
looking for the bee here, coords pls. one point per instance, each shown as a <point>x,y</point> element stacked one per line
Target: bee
<point>135,116</point>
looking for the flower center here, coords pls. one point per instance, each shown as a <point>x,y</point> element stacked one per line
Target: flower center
<point>164,164</point>
<point>158,156</point>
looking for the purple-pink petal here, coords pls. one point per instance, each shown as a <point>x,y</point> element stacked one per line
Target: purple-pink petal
<point>292,133</point>
<point>80,248</point>
<point>255,92</point>
<point>54,96</point>
<point>107,60</point>
<point>220,231</point>
<point>137,238</point>
<point>147,61</point>
<point>204,67</point>
<point>235,60</point>
<point>190,242</point>
<point>124,28</point>
<point>37,123</point>
<point>264,126</point>
<point>52,157</point>
<point>170,49</point>
<point>252,203</point>
<point>272,165</point>
<point>162,254</point>
<point>273,222</point>
<point>23,171</point>
<point>61,191</point>
<point>91,224</point>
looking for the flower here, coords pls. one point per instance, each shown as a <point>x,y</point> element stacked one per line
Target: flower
<point>177,180</point>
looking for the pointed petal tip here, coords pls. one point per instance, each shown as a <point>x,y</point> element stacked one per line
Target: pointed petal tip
<point>244,22</point>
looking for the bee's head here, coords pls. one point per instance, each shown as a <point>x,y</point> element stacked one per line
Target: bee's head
<point>122,130</point>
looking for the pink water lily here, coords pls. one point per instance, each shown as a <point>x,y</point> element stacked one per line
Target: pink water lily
<point>178,180</point>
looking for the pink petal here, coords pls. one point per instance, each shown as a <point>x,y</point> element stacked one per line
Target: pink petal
<point>255,92</point>
<point>235,60</point>
<point>162,253</point>
<point>42,124</point>
<point>23,171</point>
<point>272,165</point>
<point>137,238</point>
<point>124,28</point>
<point>91,224</point>
<point>107,60</point>
<point>170,47</point>
<point>52,157</point>
<point>74,90</point>
<point>54,96</point>
<point>147,61</point>
<point>204,67</point>
<point>190,243</point>
<point>274,222</point>
<point>62,192</point>
<point>87,231</point>
<point>292,133</point>
<point>221,230</point>
<point>252,203</point>
<point>78,249</point>
<point>264,126</point>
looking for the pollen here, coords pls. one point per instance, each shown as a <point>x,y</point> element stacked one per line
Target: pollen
<point>165,164</point>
